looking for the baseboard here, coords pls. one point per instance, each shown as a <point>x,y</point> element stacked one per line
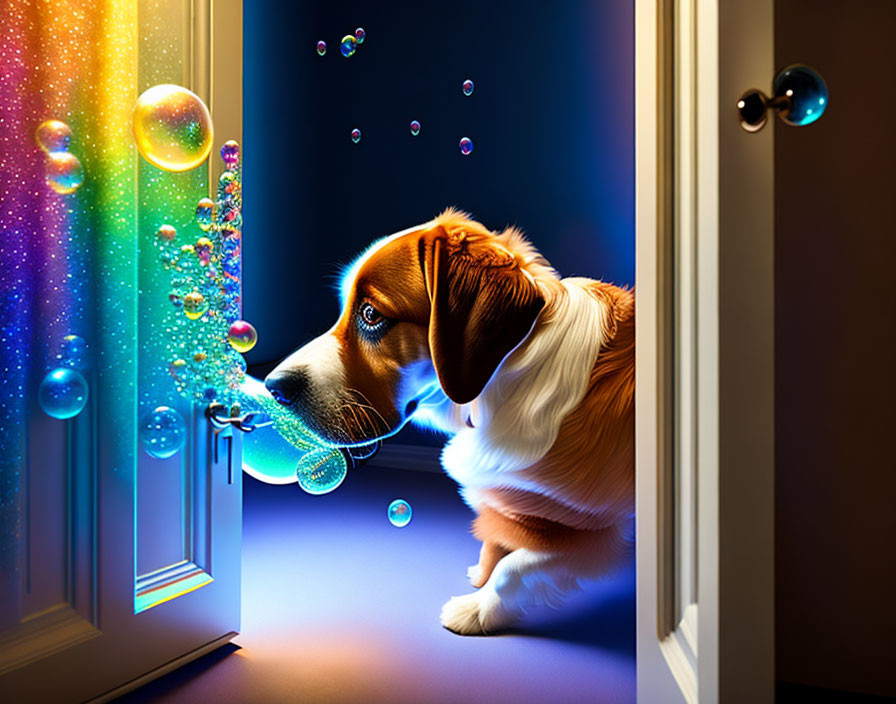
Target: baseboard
<point>415,458</point>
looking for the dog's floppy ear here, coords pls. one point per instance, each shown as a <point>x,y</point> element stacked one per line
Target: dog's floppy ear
<point>482,305</point>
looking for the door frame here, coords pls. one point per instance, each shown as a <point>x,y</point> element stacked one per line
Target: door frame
<point>705,353</point>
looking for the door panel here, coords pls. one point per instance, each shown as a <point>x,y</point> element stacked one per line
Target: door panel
<point>107,555</point>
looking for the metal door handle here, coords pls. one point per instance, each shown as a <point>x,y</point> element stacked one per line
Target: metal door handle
<point>800,97</point>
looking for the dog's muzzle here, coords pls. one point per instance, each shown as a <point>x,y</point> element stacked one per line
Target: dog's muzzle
<point>287,386</point>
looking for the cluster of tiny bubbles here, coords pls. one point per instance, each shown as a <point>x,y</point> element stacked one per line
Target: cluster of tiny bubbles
<point>64,172</point>
<point>348,45</point>
<point>467,87</point>
<point>360,34</point>
<point>415,127</point>
<point>63,393</point>
<point>205,213</point>
<point>163,432</point>
<point>466,145</point>
<point>321,471</point>
<point>321,48</point>
<point>242,336</point>
<point>74,353</point>
<point>205,284</point>
<point>399,513</point>
<point>356,135</point>
<point>172,128</point>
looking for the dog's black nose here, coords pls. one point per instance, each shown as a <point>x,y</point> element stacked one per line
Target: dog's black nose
<point>286,386</point>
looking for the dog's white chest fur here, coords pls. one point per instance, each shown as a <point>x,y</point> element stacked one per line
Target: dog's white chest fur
<point>516,418</point>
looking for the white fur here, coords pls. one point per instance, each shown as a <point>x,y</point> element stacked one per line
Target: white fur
<point>518,415</point>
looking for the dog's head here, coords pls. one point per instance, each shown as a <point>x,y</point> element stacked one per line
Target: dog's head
<point>438,306</point>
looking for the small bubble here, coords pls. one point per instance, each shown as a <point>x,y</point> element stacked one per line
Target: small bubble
<point>468,87</point>
<point>230,153</point>
<point>321,48</point>
<point>348,45</point>
<point>166,232</point>
<point>356,135</point>
<point>64,172</point>
<point>466,146</point>
<point>415,127</point>
<point>360,34</point>
<point>204,213</point>
<point>399,513</point>
<point>53,136</point>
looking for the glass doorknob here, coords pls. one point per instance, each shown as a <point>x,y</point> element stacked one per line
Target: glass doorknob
<point>800,97</point>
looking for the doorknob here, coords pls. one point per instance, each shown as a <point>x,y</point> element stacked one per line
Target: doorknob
<point>800,97</point>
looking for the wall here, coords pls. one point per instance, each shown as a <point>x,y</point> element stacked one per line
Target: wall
<point>551,119</point>
<point>836,335</point>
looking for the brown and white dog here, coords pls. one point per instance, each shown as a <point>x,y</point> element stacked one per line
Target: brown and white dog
<point>473,333</point>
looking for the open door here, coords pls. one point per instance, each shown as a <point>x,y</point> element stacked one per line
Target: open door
<point>705,384</point>
<point>115,566</point>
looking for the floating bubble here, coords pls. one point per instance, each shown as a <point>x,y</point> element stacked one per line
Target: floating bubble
<point>64,172</point>
<point>172,128</point>
<point>163,432</point>
<point>74,353</point>
<point>167,233</point>
<point>242,336</point>
<point>399,513</point>
<point>63,393</point>
<point>348,45</point>
<point>321,471</point>
<point>176,299</point>
<point>195,305</point>
<point>53,136</point>
<point>466,145</point>
<point>356,135</point>
<point>203,248</point>
<point>205,210</point>
<point>415,127</point>
<point>230,153</point>
<point>467,87</point>
<point>360,35</point>
<point>321,48</point>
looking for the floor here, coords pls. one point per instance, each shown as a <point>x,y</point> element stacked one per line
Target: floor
<point>340,606</point>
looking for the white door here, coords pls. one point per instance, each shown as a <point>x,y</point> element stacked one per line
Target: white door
<point>705,391</point>
<point>114,566</point>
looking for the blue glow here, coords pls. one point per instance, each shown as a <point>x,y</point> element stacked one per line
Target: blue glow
<point>163,432</point>
<point>321,471</point>
<point>63,393</point>
<point>806,91</point>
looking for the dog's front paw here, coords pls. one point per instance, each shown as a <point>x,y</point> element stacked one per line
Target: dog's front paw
<point>475,614</point>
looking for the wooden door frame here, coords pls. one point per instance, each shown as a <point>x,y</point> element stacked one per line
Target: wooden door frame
<point>704,408</point>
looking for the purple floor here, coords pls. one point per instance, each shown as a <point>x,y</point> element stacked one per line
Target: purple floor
<point>340,606</point>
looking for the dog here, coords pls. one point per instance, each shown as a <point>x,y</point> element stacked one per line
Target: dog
<point>471,332</point>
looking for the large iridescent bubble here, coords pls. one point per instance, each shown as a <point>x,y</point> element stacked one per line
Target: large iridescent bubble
<point>172,128</point>
<point>163,432</point>
<point>63,393</point>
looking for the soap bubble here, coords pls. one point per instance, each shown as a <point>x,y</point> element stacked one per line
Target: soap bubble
<point>321,48</point>
<point>321,471</point>
<point>53,136</point>
<point>466,145</point>
<point>74,353</point>
<point>415,127</point>
<point>348,45</point>
<point>467,87</point>
<point>399,513</point>
<point>62,393</point>
<point>64,172</point>
<point>356,135</point>
<point>204,213</point>
<point>203,248</point>
<point>267,455</point>
<point>172,128</point>
<point>360,34</point>
<point>242,336</point>
<point>163,432</point>
<point>195,305</point>
<point>166,232</point>
<point>230,153</point>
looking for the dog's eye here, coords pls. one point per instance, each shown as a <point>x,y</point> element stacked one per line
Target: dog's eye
<point>370,315</point>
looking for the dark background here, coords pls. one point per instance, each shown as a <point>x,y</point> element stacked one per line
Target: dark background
<point>551,119</point>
